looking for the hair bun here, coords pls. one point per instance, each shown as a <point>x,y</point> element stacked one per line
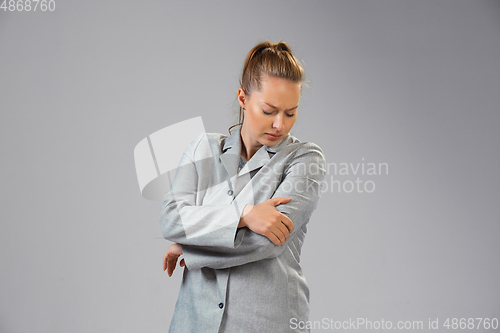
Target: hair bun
<point>280,46</point>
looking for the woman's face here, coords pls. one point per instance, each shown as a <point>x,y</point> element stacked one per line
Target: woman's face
<point>270,112</point>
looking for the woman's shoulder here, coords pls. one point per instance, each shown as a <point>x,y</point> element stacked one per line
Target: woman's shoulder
<point>206,143</point>
<point>306,159</point>
<point>216,140</point>
<point>300,147</point>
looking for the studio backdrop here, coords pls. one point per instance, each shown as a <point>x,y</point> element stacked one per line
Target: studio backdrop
<point>401,96</point>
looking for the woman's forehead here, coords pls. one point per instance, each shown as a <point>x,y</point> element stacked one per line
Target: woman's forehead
<point>279,93</point>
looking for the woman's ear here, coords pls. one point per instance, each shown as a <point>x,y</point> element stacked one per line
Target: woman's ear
<point>241,97</point>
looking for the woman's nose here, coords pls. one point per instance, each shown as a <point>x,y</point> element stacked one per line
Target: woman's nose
<point>278,123</point>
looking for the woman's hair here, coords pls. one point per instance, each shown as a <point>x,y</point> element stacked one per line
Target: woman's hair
<point>268,59</point>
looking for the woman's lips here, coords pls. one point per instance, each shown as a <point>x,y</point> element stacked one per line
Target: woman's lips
<point>273,137</point>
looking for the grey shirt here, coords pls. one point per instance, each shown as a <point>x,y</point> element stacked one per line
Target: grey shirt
<point>236,280</point>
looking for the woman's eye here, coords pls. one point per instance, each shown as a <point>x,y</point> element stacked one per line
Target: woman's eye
<point>270,113</point>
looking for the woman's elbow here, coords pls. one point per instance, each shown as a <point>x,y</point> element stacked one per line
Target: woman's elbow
<point>167,221</point>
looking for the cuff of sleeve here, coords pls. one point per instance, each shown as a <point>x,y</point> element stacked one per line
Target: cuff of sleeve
<point>193,255</point>
<point>231,236</point>
<point>197,257</point>
<point>239,233</point>
<point>190,260</point>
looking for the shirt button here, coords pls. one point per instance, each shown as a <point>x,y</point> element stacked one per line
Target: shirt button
<point>221,305</point>
<point>230,192</point>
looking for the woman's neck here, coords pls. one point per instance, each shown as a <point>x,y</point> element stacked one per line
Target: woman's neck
<point>249,146</point>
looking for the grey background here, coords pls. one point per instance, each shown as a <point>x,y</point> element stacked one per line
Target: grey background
<point>414,84</point>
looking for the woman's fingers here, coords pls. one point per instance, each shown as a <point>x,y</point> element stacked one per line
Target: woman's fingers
<point>171,261</point>
<point>273,238</point>
<point>283,232</point>
<point>273,234</point>
<point>170,258</point>
<point>287,222</point>
<point>165,260</point>
<point>280,231</point>
<point>280,200</point>
<point>171,265</point>
<point>266,220</point>
<point>283,229</point>
<point>284,219</point>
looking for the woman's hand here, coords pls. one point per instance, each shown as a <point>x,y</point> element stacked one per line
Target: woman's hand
<point>170,258</point>
<point>266,220</point>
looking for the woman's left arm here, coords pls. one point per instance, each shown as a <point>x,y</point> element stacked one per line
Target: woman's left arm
<point>302,183</point>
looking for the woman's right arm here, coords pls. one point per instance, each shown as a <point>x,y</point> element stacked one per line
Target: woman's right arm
<point>263,219</point>
<point>185,222</point>
<point>302,184</point>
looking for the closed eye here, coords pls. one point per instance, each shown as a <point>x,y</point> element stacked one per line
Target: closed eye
<point>270,113</point>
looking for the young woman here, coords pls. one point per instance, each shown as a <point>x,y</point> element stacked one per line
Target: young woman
<point>238,208</point>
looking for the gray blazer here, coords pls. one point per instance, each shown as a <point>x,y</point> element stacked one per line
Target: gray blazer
<point>236,280</point>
